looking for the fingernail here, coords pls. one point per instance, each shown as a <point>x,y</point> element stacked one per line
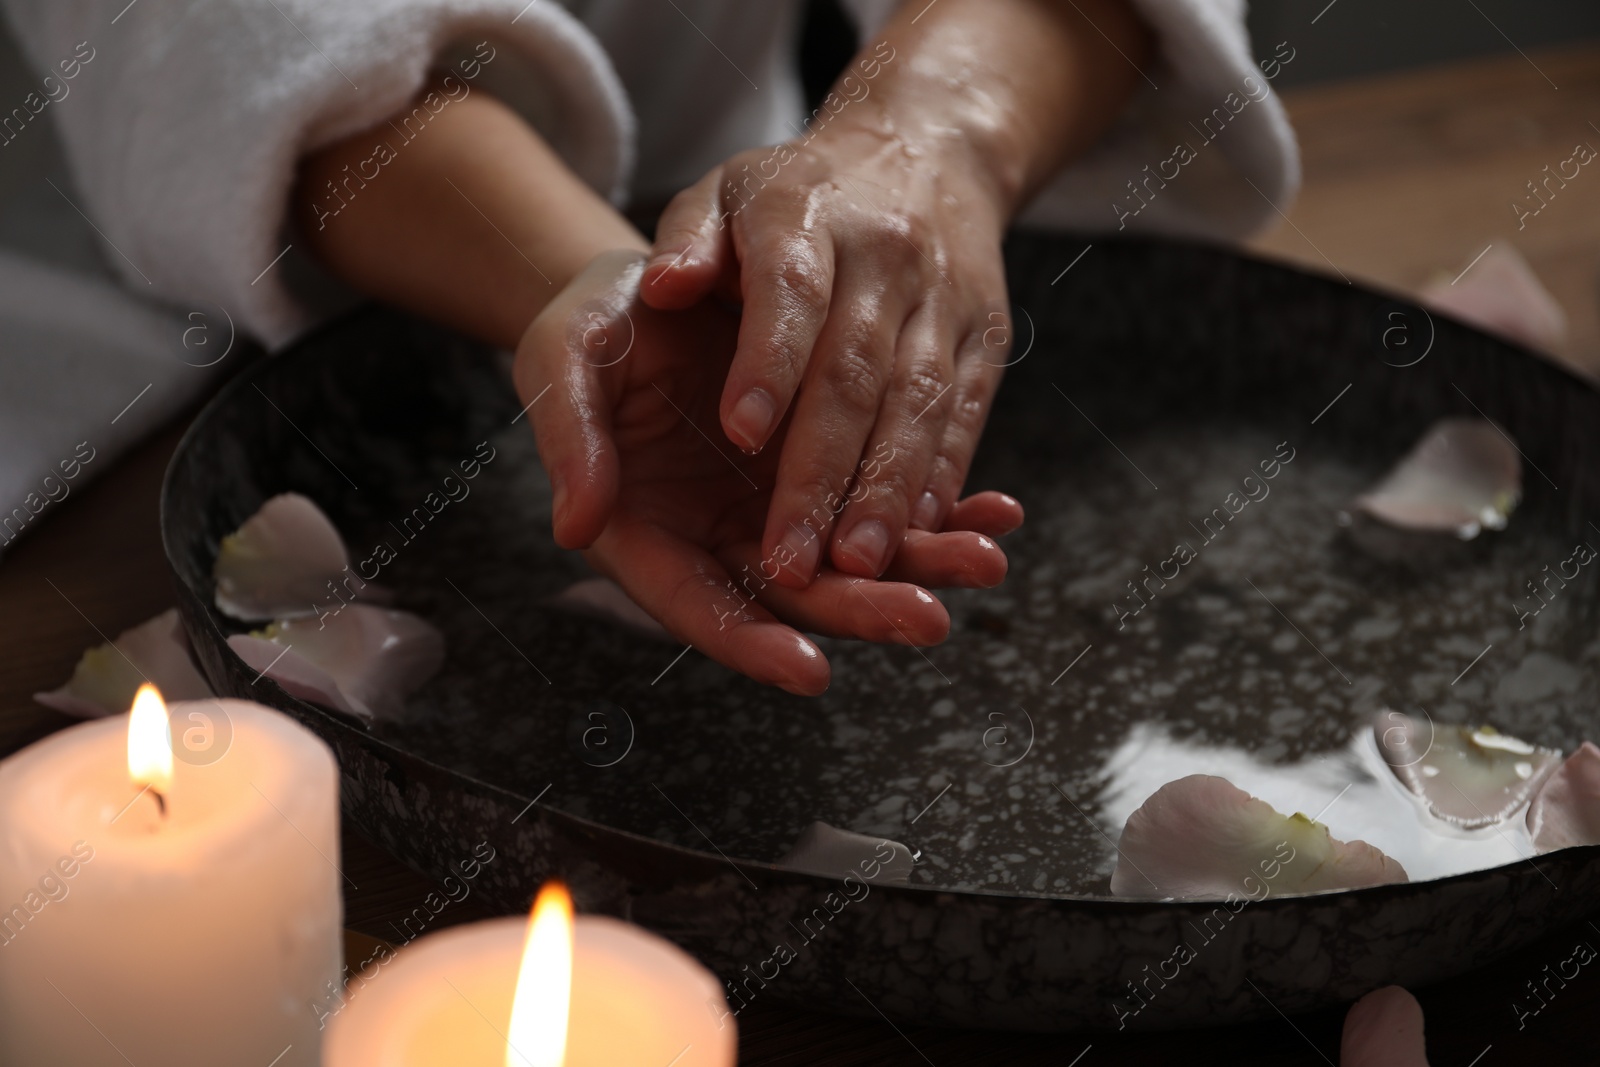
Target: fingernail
<point>663,260</point>
<point>868,542</point>
<point>793,663</point>
<point>751,419</point>
<point>558,500</point>
<point>926,513</point>
<point>1013,502</point>
<point>801,547</point>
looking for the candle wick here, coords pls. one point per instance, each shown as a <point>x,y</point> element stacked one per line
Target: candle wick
<point>161,802</point>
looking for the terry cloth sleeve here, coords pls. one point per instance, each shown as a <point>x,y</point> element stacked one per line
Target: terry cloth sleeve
<point>1204,149</point>
<point>185,119</point>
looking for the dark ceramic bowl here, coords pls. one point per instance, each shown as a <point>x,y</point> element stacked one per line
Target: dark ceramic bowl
<point>1152,377</point>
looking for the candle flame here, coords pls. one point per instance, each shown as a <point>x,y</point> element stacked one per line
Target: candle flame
<point>537,1036</point>
<point>150,740</point>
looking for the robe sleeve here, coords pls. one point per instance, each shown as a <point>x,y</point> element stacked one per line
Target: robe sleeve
<point>1204,149</point>
<point>183,121</point>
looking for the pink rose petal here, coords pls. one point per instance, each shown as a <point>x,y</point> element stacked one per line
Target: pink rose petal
<point>1464,475</point>
<point>1469,777</point>
<point>286,561</point>
<point>1201,837</point>
<point>1566,812</point>
<point>107,676</point>
<point>364,660</point>
<point>828,850</point>
<point>1501,294</point>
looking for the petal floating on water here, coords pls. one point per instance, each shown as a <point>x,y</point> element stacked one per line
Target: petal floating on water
<point>1566,811</point>
<point>280,563</point>
<point>1470,777</point>
<point>363,660</point>
<point>828,850</point>
<point>1201,837</point>
<point>1462,477</point>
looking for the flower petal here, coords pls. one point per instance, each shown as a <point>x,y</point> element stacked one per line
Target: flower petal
<point>1464,475</point>
<point>1468,777</point>
<point>298,676</point>
<point>1566,811</point>
<point>1201,837</point>
<point>1503,295</point>
<point>362,660</point>
<point>107,676</point>
<point>828,850</point>
<point>280,563</point>
<point>1384,1029</point>
<point>604,599</point>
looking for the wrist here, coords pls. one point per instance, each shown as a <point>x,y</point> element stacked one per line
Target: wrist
<point>524,306</point>
<point>976,162</point>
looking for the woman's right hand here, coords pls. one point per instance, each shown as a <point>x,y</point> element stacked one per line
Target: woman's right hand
<point>624,403</point>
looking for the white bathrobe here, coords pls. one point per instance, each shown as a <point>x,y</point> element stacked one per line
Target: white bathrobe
<point>180,122</point>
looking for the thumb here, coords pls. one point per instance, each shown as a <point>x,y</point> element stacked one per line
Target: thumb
<point>693,249</point>
<point>567,378</point>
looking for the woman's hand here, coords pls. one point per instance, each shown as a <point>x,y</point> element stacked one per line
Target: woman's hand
<point>867,257</point>
<point>874,319</point>
<point>647,484</point>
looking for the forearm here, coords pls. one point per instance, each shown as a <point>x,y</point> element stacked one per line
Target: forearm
<point>468,219</point>
<point>1013,88</point>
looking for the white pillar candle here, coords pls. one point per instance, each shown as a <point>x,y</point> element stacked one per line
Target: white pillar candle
<point>191,921</point>
<point>632,1000</point>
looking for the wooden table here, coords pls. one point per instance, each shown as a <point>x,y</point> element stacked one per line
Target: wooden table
<point>1410,177</point>
<point>1406,176</point>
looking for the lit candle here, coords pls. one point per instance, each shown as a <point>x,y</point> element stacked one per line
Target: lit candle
<point>549,991</point>
<point>173,913</point>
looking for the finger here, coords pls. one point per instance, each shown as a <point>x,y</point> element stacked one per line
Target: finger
<point>976,380</point>
<point>954,557</point>
<point>839,605</point>
<point>837,407</point>
<point>693,247</point>
<point>787,282</point>
<point>563,390</point>
<point>1384,1029</point>
<point>689,592</point>
<point>957,560</point>
<point>992,513</point>
<point>900,451</point>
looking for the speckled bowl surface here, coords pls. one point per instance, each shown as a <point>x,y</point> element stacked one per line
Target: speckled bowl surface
<point>1148,381</point>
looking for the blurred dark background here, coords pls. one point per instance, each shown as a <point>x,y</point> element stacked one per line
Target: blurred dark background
<point>1350,38</point>
<point>1332,41</point>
